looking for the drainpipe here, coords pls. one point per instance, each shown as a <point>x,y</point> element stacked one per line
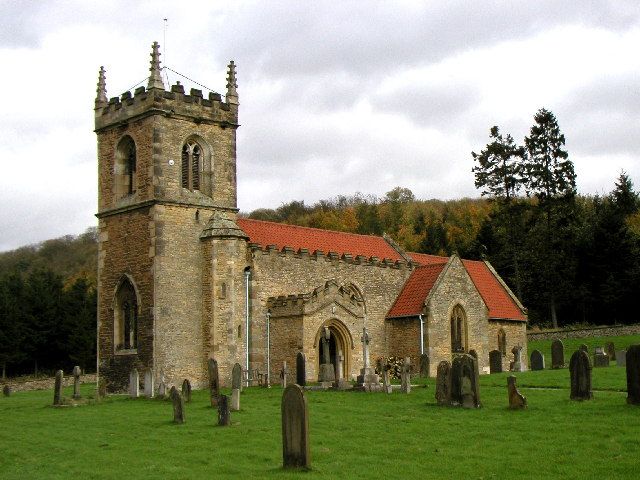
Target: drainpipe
<point>247,275</point>
<point>268,351</point>
<point>421,317</point>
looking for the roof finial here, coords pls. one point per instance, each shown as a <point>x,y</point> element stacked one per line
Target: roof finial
<point>232,93</point>
<point>101,97</point>
<point>155,79</point>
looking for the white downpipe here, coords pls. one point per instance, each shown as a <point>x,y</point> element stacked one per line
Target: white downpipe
<point>421,317</point>
<point>247,274</point>
<point>268,350</point>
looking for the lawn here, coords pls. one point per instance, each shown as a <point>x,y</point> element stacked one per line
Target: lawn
<point>353,435</point>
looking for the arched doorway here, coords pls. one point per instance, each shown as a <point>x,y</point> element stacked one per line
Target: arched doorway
<point>340,346</point>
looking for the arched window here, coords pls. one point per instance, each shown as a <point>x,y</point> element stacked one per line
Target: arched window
<point>502,341</point>
<point>126,317</point>
<point>125,167</point>
<point>458,330</point>
<point>191,165</point>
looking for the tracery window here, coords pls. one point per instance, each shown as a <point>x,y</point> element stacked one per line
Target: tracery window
<point>191,165</point>
<point>458,330</point>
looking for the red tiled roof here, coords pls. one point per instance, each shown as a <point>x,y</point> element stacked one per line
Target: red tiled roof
<point>415,290</point>
<point>499,302</point>
<point>283,235</point>
<point>427,259</point>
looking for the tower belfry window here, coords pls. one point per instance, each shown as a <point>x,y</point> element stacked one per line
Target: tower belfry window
<point>125,168</point>
<point>191,165</point>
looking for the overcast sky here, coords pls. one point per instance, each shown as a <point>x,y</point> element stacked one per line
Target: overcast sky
<point>335,97</point>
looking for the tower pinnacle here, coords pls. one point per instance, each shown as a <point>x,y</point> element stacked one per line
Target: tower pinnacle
<point>155,79</point>
<point>101,91</point>
<point>232,93</point>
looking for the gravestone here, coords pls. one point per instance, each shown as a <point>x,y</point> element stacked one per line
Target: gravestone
<point>327,369</point>
<point>214,381</point>
<point>600,358</point>
<point>443,383</point>
<point>224,415</point>
<point>301,371</point>
<point>580,371</point>
<point>6,390</point>
<point>610,348</point>
<point>76,382</point>
<point>557,354</point>
<point>134,384</point>
<point>584,347</point>
<point>284,375</point>
<point>386,380</point>
<point>162,387</point>
<point>633,375</point>
<point>178,405</point>
<point>495,361</point>
<point>516,399</point>
<point>621,358</point>
<point>295,428</point>
<point>57,388</point>
<point>537,360</point>
<point>186,390</point>
<point>465,382</point>
<point>368,380</point>
<point>473,353</point>
<point>517,365</point>
<point>424,365</point>
<point>236,382</point>
<point>149,386</point>
<point>405,376</point>
<point>102,387</point>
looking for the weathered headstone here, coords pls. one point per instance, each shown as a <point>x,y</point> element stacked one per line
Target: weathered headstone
<point>424,365</point>
<point>610,348</point>
<point>368,379</point>
<point>473,353</point>
<point>178,405</point>
<point>517,365</point>
<point>162,387</point>
<point>633,375</point>
<point>214,381</point>
<point>580,371</point>
<point>557,354</point>
<point>102,387</point>
<point>621,358</point>
<point>516,399</point>
<point>57,388</point>
<point>465,382</point>
<point>584,347</point>
<point>443,383</point>
<point>537,360</point>
<point>6,390</point>
<point>386,380</point>
<point>284,375</point>
<point>495,361</point>
<point>186,390</point>
<point>76,382</point>
<point>405,376</point>
<point>295,428</point>
<point>134,384</point>
<point>236,382</point>
<point>224,415</point>
<point>327,369</point>
<point>301,369</point>
<point>149,386</point>
<point>600,358</point>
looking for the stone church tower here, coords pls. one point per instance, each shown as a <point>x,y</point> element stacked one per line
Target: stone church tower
<point>168,244</point>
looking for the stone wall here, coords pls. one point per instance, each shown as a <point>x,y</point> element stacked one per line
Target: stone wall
<point>515,335</point>
<point>404,339</point>
<point>602,331</point>
<point>22,385</point>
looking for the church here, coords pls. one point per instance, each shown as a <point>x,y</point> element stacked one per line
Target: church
<point>182,278</point>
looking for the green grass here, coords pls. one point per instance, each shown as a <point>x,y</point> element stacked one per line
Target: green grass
<point>572,344</point>
<point>353,435</point>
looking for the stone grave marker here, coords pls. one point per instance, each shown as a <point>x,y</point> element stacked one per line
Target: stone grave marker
<point>443,383</point>
<point>386,380</point>
<point>495,361</point>
<point>186,390</point>
<point>6,390</point>
<point>368,379</point>
<point>584,347</point>
<point>214,381</point>
<point>57,388</point>
<point>102,387</point>
<point>327,369</point>
<point>580,371</point>
<point>236,382</point>
<point>301,372</point>
<point>405,376</point>
<point>295,428</point>
<point>537,360</point>
<point>424,365</point>
<point>516,399</point>
<point>134,384</point>
<point>465,387</point>
<point>224,414</point>
<point>517,365</point>
<point>621,358</point>
<point>149,386</point>
<point>284,375</point>
<point>473,353</point>
<point>600,358</point>
<point>162,387</point>
<point>178,405</point>
<point>633,375</point>
<point>610,348</point>
<point>76,382</point>
<point>557,354</point>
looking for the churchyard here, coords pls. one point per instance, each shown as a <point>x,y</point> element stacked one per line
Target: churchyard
<point>351,434</point>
